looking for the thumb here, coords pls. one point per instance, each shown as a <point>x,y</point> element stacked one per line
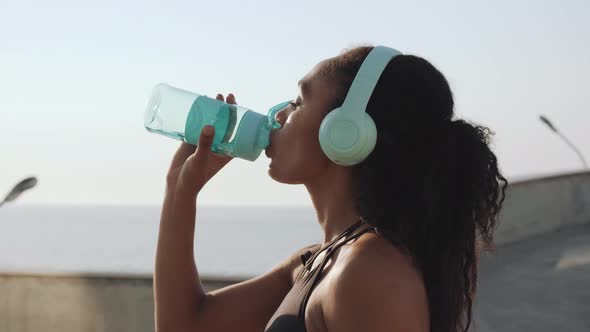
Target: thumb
<point>206,138</point>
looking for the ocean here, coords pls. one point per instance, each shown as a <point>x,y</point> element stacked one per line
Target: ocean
<point>230,242</point>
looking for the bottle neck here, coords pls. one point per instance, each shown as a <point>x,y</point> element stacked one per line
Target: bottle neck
<point>263,139</point>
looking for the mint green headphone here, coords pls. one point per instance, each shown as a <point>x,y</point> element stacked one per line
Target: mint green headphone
<point>348,134</point>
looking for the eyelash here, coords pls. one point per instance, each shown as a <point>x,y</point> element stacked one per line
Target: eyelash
<point>293,104</point>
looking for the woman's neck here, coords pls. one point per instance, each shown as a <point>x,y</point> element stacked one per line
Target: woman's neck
<point>331,195</point>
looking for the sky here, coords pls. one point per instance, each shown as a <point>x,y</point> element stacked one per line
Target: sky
<point>75,77</point>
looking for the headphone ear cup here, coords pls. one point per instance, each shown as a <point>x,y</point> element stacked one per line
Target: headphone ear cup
<point>370,131</point>
<point>345,141</point>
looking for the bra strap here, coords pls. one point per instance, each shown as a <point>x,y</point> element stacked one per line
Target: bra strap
<point>329,251</point>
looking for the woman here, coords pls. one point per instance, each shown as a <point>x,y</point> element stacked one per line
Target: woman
<point>400,228</point>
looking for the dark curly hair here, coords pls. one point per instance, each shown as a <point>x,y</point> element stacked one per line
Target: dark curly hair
<point>432,185</point>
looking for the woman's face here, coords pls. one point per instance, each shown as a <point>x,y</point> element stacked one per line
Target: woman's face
<point>295,149</point>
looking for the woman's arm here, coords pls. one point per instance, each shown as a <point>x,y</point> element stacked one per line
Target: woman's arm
<point>177,287</point>
<point>181,303</point>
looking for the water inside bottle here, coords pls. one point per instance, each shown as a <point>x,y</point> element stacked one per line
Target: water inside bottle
<point>225,118</point>
<point>227,124</point>
<point>168,119</point>
<point>171,134</point>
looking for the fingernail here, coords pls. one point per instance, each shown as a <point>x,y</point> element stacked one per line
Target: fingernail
<point>208,130</point>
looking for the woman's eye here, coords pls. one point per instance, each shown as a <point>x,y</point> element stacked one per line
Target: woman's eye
<point>293,104</point>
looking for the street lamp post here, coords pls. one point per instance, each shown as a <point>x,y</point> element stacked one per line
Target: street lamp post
<point>20,187</point>
<point>571,145</point>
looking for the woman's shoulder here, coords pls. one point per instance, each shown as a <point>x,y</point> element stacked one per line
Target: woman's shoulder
<point>377,284</point>
<point>373,257</point>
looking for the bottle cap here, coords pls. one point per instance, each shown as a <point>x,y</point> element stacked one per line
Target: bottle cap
<point>252,136</point>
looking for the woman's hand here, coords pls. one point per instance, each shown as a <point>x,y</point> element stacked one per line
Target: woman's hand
<point>192,167</point>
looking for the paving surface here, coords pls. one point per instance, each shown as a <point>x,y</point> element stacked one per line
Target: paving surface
<point>539,284</point>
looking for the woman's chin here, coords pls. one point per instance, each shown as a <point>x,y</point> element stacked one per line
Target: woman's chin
<point>273,173</point>
<point>282,178</point>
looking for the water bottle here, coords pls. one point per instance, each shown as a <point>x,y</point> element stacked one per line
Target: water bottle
<point>180,114</point>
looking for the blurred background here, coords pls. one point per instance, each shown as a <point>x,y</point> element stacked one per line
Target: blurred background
<point>77,248</point>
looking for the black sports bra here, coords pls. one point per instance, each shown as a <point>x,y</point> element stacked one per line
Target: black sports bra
<point>290,315</point>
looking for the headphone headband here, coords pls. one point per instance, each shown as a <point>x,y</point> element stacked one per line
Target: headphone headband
<point>366,79</point>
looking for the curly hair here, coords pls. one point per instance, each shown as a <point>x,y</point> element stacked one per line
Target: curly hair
<point>432,185</point>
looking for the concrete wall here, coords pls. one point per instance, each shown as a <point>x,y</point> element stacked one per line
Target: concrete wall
<point>46,303</point>
<point>32,303</point>
<point>541,205</point>
<point>125,303</point>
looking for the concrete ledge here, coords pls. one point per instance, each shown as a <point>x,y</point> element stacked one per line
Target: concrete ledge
<point>540,205</point>
<point>206,279</point>
<point>52,303</point>
<point>34,303</point>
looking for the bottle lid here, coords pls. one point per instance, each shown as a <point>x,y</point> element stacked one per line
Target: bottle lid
<point>273,112</point>
<point>252,136</point>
